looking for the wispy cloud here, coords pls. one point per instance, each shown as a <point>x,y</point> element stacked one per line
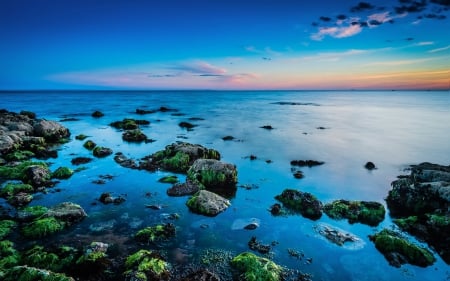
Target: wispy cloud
<point>439,49</point>
<point>333,56</point>
<point>200,68</point>
<point>336,32</point>
<point>266,52</point>
<point>399,62</point>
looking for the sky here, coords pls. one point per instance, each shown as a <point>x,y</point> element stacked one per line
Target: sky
<point>224,44</point>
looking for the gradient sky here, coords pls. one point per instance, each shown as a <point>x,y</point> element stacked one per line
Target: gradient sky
<point>224,44</point>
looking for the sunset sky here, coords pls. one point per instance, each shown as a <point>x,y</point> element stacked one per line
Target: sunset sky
<point>224,44</point>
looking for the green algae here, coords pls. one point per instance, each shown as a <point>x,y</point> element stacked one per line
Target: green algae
<point>19,155</point>
<point>147,265</point>
<point>159,232</point>
<point>26,273</point>
<point>42,227</point>
<point>6,227</point>
<point>303,202</point>
<point>177,163</point>
<point>17,172</point>
<point>62,173</point>
<point>31,212</point>
<point>389,242</point>
<point>13,188</point>
<point>39,258</point>
<point>89,145</point>
<point>9,257</point>
<point>370,213</point>
<point>169,179</point>
<point>254,268</point>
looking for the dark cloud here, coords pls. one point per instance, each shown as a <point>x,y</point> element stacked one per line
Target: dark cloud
<point>315,24</point>
<point>441,2</point>
<point>362,6</point>
<point>162,75</point>
<point>325,19</point>
<point>411,6</point>
<point>363,24</point>
<point>341,17</point>
<point>435,16</point>
<point>375,22</point>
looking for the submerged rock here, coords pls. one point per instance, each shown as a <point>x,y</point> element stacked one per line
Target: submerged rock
<point>183,189</point>
<point>124,161</point>
<point>255,245</point>
<point>160,232</point>
<point>135,135</point>
<point>306,163</point>
<point>397,250</point>
<point>339,236</point>
<point>366,212</point>
<point>249,224</point>
<point>101,152</point>
<point>305,203</point>
<point>201,275</point>
<point>207,203</point>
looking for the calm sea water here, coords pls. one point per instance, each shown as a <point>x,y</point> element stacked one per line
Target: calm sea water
<point>391,129</point>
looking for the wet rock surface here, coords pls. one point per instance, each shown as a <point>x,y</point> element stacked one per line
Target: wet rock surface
<point>207,203</point>
<point>303,202</point>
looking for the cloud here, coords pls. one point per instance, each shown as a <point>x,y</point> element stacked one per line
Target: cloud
<point>426,43</point>
<point>411,6</point>
<point>362,6</point>
<point>336,32</point>
<point>439,49</point>
<point>325,19</point>
<point>399,62</point>
<point>267,51</point>
<point>333,56</point>
<point>341,17</point>
<point>199,67</point>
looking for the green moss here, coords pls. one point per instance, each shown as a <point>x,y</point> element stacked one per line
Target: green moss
<point>209,178</point>
<point>89,145</point>
<point>177,163</point>
<point>19,155</point>
<point>11,189</point>
<point>371,213</point>
<point>62,173</point>
<point>406,223</point>
<point>26,273</point>
<point>169,179</point>
<point>387,242</point>
<point>254,268</point>
<point>92,257</point>
<point>6,227</point>
<point>303,202</point>
<point>17,172</point>
<point>31,212</point>
<point>134,136</point>
<point>439,220</point>
<point>38,257</point>
<point>145,264</point>
<point>42,227</point>
<point>81,137</point>
<point>156,233</point>
<point>9,257</point>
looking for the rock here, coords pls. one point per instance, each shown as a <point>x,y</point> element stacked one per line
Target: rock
<point>259,268</point>
<point>177,157</point>
<point>24,272</point>
<point>249,224</point>
<point>207,203</point>
<point>160,232</point>
<point>37,175</point>
<point>397,250</point>
<point>89,145</point>
<point>81,137</point>
<point>62,173</point>
<point>213,174</point>
<point>298,175</point>
<point>267,127</point>
<point>134,136</point>
<point>50,130</point>
<point>228,138</point>
<point>338,236</point>
<point>275,209</point>
<point>169,179</point>
<point>255,245</point>
<point>420,202</point>
<point>20,199</point>
<point>97,114</point>
<point>128,124</point>
<point>107,198</point>
<point>124,161</point>
<point>67,212</point>
<point>305,203</point>
<point>370,213</point>
<point>370,166</point>
<point>146,265</point>
<point>101,152</point>
<point>6,227</point>
<point>306,163</point>
<point>186,125</point>
<point>81,160</point>
<point>183,189</point>
<point>201,275</point>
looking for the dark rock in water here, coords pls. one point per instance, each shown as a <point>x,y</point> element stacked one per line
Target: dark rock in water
<point>124,161</point>
<point>29,114</point>
<point>228,138</point>
<point>251,226</point>
<point>144,111</point>
<point>253,157</point>
<point>97,114</point>
<point>160,232</point>
<point>397,250</point>
<point>134,136</point>
<point>107,198</point>
<point>37,175</point>
<point>50,130</point>
<point>213,174</point>
<point>89,145</point>
<point>366,212</point>
<point>128,124</point>
<point>267,127</point>
<point>67,212</point>
<point>81,137</point>
<point>81,160</point>
<point>275,209</point>
<point>183,189</point>
<point>305,203</point>
<point>298,174</point>
<point>201,275</point>
<point>22,272</point>
<point>306,163</point>
<point>177,157</point>
<point>207,203</point>
<point>421,204</point>
<point>186,125</point>
<point>20,199</point>
<point>101,152</point>
<point>338,236</point>
<point>295,103</point>
<point>255,245</point>
<point>370,166</point>
<point>321,128</point>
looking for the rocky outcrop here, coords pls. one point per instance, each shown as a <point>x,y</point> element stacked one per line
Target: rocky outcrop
<point>213,174</point>
<point>177,157</point>
<point>420,202</point>
<point>207,203</point>
<point>303,202</point>
<point>339,237</point>
<point>366,212</point>
<point>37,175</point>
<point>50,130</point>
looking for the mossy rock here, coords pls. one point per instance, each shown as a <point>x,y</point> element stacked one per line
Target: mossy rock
<point>152,234</point>
<point>13,188</point>
<point>81,137</point>
<point>42,227</point>
<point>303,202</point>
<point>38,257</point>
<point>397,250</point>
<point>213,174</point>
<point>17,172</point>
<point>30,213</point>
<point>169,179</point>
<point>6,227</point>
<point>254,268</point>
<point>207,203</point>
<point>370,213</point>
<point>62,173</point>
<point>100,151</point>
<point>128,124</point>
<point>180,162</point>
<point>27,273</point>
<point>9,256</point>
<point>146,265</point>
<point>134,136</point>
<point>19,155</point>
<point>89,145</point>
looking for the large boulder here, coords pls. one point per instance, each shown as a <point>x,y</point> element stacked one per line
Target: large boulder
<point>303,202</point>
<point>366,212</point>
<point>207,203</point>
<point>50,130</point>
<point>37,175</point>
<point>67,212</point>
<point>177,157</point>
<point>213,174</point>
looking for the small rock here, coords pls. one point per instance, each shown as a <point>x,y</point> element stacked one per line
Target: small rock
<point>370,166</point>
<point>267,127</point>
<point>97,114</point>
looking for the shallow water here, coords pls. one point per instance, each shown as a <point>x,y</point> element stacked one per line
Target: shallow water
<point>391,129</point>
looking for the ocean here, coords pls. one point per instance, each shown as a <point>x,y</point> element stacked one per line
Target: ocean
<point>344,129</point>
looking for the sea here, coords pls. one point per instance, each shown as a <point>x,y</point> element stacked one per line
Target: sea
<point>344,129</point>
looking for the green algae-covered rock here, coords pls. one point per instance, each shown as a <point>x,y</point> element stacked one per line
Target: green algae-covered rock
<point>89,145</point>
<point>12,188</point>
<point>19,155</point>
<point>305,203</point>
<point>254,268</point>
<point>6,227</point>
<point>146,265</point>
<point>177,157</point>
<point>42,227</point>
<point>100,151</point>
<point>213,174</point>
<point>207,203</point>
<point>27,273</point>
<point>30,213</point>
<point>370,213</point>
<point>135,135</point>
<point>9,257</point>
<point>160,232</point>
<point>62,173</point>
<point>36,175</point>
<point>38,257</point>
<point>81,137</point>
<point>397,250</point>
<point>169,179</point>
<point>17,172</point>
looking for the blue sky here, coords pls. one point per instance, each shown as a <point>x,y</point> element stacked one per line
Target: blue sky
<point>224,44</point>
